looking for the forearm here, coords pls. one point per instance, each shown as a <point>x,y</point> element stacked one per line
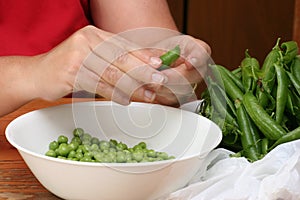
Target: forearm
<point>119,15</point>
<point>17,84</point>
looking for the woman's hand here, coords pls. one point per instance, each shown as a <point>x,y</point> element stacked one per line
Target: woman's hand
<point>186,72</point>
<point>98,62</point>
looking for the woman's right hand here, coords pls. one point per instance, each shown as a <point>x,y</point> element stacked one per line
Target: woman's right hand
<point>98,62</point>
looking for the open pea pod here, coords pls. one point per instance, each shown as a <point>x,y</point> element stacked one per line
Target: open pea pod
<point>169,58</point>
<point>290,50</point>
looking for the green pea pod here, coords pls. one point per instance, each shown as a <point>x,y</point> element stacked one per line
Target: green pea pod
<point>219,104</point>
<point>289,103</point>
<point>268,69</point>
<point>272,57</point>
<point>290,136</point>
<point>249,66</point>
<point>222,78</point>
<point>249,140</point>
<point>264,146</point>
<point>268,80</point>
<point>229,103</point>
<point>237,72</point>
<point>261,96</point>
<point>281,93</point>
<point>294,81</point>
<point>295,67</point>
<point>290,50</point>
<point>260,117</point>
<point>296,104</point>
<point>169,58</point>
<point>233,77</point>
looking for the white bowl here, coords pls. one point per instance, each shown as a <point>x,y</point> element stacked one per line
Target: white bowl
<point>185,135</point>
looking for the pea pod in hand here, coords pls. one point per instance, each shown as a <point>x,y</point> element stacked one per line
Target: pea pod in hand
<point>169,58</point>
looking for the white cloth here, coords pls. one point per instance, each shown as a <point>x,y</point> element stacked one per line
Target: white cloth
<point>275,177</point>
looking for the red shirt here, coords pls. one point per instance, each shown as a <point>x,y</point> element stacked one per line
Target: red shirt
<point>30,27</point>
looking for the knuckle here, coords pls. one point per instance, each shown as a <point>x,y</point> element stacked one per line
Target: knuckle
<point>121,56</point>
<point>101,86</point>
<point>112,74</point>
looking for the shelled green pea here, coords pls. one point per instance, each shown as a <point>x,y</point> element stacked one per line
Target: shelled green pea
<point>85,148</point>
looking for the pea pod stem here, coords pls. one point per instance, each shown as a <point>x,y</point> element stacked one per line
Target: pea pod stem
<point>260,117</point>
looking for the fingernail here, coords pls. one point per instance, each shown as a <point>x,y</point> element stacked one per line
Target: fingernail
<point>155,61</point>
<point>159,78</point>
<point>193,61</point>
<point>149,95</point>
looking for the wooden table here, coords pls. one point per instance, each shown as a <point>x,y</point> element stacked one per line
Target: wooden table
<point>16,180</point>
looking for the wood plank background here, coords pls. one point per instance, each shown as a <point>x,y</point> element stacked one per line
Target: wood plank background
<point>232,26</point>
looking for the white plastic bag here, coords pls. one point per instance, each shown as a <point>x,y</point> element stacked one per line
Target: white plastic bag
<point>275,177</point>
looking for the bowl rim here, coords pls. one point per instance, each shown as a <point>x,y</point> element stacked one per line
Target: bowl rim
<point>98,164</point>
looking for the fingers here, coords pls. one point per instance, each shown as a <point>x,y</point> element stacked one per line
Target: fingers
<point>113,72</point>
<point>118,69</point>
<point>194,53</point>
<point>113,76</point>
<point>179,88</point>
<point>128,63</point>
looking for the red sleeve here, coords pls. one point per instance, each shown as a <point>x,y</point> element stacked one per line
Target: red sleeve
<point>30,27</point>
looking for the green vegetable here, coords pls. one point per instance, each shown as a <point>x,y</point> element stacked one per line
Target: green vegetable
<point>85,148</point>
<point>268,68</point>
<point>169,58</point>
<point>294,81</point>
<point>230,86</point>
<point>264,122</point>
<point>266,100</point>
<point>281,93</point>
<point>290,136</point>
<point>249,67</point>
<point>290,50</point>
<point>249,135</point>
<point>295,67</point>
<point>62,139</point>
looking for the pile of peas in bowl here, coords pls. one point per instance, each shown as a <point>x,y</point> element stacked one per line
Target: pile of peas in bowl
<point>85,148</point>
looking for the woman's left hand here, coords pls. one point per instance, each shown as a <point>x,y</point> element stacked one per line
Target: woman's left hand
<point>186,72</point>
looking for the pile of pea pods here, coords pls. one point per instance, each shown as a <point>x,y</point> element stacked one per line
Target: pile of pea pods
<point>256,106</point>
